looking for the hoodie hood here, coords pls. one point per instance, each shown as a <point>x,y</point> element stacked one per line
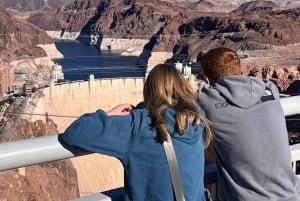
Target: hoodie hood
<point>242,91</point>
<point>191,133</point>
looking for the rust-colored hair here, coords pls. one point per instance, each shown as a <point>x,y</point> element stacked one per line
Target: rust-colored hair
<point>165,87</point>
<point>220,62</point>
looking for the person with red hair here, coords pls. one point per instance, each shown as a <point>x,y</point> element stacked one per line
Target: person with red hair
<point>250,135</point>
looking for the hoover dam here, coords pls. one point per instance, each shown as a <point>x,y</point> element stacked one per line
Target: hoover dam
<point>63,103</point>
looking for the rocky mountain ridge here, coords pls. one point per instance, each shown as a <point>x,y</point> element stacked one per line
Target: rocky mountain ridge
<point>219,5</point>
<point>237,3</point>
<point>228,6</point>
<point>32,5</point>
<point>176,27</point>
<point>182,29</point>
<point>19,39</point>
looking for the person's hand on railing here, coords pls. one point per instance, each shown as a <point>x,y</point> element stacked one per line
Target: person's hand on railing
<point>122,109</point>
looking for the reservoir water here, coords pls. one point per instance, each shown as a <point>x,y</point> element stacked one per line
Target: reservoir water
<point>80,60</point>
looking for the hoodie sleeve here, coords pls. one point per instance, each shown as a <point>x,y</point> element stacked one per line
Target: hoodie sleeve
<point>99,133</point>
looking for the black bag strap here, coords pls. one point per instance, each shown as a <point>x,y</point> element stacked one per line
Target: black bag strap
<point>267,96</point>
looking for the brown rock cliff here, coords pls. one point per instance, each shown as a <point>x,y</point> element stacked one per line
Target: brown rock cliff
<point>48,181</point>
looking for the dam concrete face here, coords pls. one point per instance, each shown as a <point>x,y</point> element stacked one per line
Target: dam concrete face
<point>64,103</point>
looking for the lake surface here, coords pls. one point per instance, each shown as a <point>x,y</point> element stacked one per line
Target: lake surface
<point>80,60</point>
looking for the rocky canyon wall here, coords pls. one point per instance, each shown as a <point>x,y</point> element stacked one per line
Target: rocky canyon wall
<point>126,46</point>
<point>48,181</point>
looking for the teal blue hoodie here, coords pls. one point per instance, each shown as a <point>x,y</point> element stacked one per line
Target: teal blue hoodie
<point>134,141</point>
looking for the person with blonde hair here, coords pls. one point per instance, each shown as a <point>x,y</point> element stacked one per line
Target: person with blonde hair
<point>250,135</point>
<point>135,137</point>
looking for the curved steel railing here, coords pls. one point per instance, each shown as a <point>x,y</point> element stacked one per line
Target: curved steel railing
<point>43,149</point>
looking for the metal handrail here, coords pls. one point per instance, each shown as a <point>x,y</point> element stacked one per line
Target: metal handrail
<point>26,152</point>
<point>32,151</point>
<point>37,150</point>
<point>291,105</point>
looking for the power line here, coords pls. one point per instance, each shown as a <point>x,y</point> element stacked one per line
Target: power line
<point>49,115</point>
<point>70,116</point>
